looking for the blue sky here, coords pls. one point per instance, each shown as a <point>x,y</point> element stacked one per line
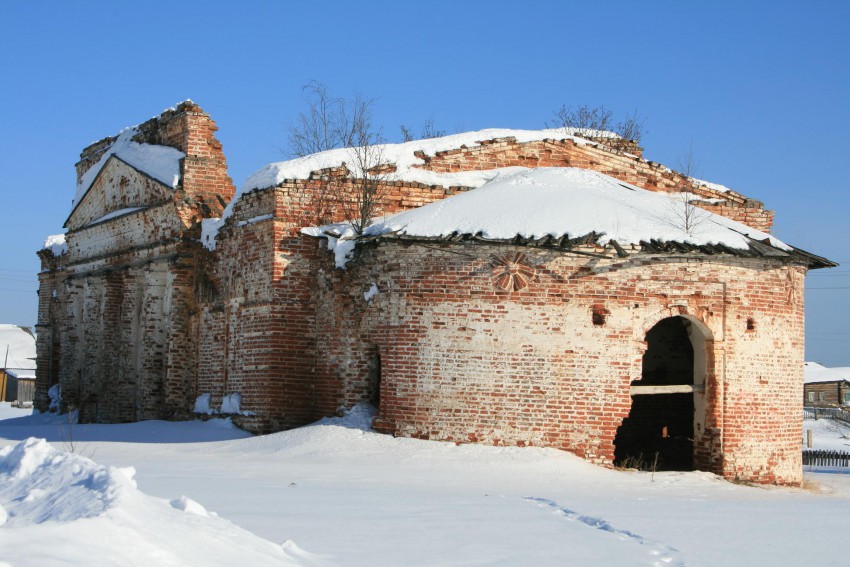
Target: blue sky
<point>760,91</point>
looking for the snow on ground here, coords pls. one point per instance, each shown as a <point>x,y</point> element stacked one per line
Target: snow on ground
<point>828,434</point>
<point>58,508</point>
<point>348,496</point>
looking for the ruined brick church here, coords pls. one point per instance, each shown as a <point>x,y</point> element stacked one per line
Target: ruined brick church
<point>530,288</point>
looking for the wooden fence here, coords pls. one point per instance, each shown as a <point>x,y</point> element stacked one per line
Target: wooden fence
<point>837,414</point>
<point>822,458</point>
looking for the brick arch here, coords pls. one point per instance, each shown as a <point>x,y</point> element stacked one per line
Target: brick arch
<point>677,326</point>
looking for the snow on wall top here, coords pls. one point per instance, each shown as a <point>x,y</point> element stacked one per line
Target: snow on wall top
<point>569,201</point>
<point>160,162</point>
<point>403,155</point>
<point>56,244</point>
<point>814,372</point>
<point>21,351</point>
<point>710,185</point>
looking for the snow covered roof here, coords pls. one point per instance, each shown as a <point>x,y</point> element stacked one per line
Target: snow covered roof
<point>17,351</point>
<point>566,201</point>
<point>159,162</point>
<point>814,373</point>
<point>555,204</point>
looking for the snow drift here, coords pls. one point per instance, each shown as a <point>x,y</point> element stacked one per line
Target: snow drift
<point>59,508</point>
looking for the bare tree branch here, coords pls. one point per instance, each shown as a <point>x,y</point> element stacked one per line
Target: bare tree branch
<point>584,117</point>
<point>329,122</point>
<point>687,215</point>
<point>632,128</point>
<point>429,130</point>
<point>361,202</point>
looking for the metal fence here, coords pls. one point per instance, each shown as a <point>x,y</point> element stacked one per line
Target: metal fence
<point>822,458</point>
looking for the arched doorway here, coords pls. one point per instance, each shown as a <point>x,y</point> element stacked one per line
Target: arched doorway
<point>668,401</point>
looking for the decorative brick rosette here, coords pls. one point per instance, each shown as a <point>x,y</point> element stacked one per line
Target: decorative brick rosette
<point>512,272</point>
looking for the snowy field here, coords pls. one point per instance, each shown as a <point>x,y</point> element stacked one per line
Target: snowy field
<point>335,494</point>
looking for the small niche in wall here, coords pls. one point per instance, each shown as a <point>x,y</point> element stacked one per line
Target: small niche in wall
<point>751,324</point>
<point>599,314</point>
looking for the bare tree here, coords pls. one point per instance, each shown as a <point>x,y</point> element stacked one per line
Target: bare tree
<point>360,201</point>
<point>631,127</point>
<point>333,122</point>
<point>584,117</point>
<point>429,130</point>
<point>329,122</point>
<point>687,215</point>
<point>406,134</point>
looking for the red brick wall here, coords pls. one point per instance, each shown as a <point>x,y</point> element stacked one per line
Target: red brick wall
<point>462,360</point>
<point>123,328</point>
<point>144,320</point>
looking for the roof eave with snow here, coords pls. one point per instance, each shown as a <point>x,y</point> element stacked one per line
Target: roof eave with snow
<point>564,208</point>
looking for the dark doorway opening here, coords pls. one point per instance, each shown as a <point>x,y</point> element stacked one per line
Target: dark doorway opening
<point>658,433</point>
<point>374,381</point>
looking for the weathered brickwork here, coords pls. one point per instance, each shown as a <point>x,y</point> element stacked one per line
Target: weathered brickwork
<point>118,312</point>
<point>137,319</point>
<point>462,360</point>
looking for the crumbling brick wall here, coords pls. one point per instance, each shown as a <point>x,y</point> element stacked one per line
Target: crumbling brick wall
<point>119,310</point>
<point>506,152</point>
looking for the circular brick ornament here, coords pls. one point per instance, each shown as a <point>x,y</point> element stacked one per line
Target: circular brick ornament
<point>512,272</point>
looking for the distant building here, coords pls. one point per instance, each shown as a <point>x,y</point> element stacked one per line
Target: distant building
<point>826,387</point>
<point>17,356</point>
<point>548,288</point>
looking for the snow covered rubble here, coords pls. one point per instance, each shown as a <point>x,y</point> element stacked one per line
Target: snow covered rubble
<point>352,497</point>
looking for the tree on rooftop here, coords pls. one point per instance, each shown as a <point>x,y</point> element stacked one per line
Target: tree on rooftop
<point>599,118</point>
<point>687,215</point>
<point>332,123</point>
